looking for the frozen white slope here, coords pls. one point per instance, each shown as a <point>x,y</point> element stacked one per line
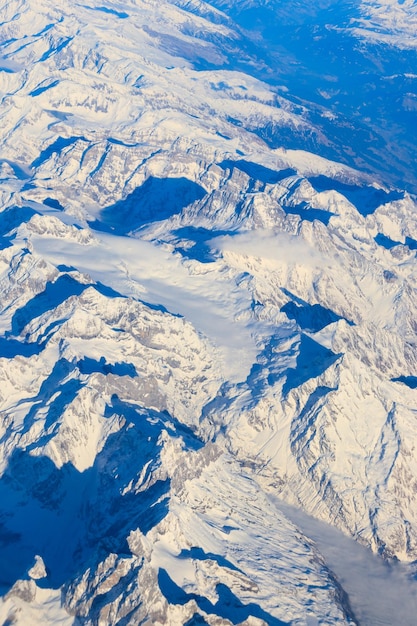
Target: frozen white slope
<point>192,318</point>
<point>393,22</point>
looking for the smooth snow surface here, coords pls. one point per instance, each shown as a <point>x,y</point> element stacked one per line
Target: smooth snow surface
<point>45,608</point>
<point>145,271</point>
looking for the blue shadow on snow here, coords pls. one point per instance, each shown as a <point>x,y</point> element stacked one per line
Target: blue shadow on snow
<point>54,294</point>
<point>199,555</point>
<point>10,348</point>
<point>59,394</point>
<point>75,519</point>
<point>200,251</point>
<point>10,219</point>
<point>228,606</point>
<point>307,213</point>
<point>18,171</point>
<point>157,199</point>
<point>55,49</point>
<point>313,360</point>
<point>40,90</point>
<point>196,620</point>
<point>388,243</point>
<point>410,381</point>
<point>258,172</point>
<point>54,204</point>
<point>163,418</point>
<point>311,317</point>
<point>55,147</point>
<point>120,14</point>
<point>366,199</point>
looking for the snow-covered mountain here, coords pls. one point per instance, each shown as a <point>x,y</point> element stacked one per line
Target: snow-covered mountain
<point>393,23</point>
<point>208,314</point>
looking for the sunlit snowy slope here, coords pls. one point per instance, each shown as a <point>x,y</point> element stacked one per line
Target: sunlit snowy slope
<point>208,307</point>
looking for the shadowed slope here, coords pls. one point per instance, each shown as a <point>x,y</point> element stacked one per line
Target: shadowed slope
<point>157,199</point>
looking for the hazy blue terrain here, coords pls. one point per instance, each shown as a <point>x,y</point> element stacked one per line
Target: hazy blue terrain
<point>368,86</point>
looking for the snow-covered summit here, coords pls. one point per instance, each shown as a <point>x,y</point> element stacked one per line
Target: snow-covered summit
<point>391,21</point>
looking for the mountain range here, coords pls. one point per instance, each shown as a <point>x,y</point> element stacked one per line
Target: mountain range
<point>208,235</point>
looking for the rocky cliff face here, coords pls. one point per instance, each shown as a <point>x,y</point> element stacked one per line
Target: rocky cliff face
<point>201,311</point>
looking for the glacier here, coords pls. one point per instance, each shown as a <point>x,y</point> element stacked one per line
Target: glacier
<point>208,314</point>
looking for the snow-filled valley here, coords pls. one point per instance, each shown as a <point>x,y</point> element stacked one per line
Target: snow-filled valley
<point>208,312</point>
